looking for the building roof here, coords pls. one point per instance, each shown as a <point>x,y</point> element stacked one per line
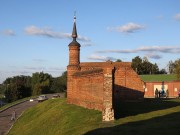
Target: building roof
<point>74,32</point>
<point>74,35</point>
<point>104,64</point>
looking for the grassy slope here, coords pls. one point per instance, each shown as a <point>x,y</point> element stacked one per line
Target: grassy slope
<point>158,78</point>
<point>55,117</point>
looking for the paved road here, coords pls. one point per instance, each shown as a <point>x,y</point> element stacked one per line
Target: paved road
<point>5,116</point>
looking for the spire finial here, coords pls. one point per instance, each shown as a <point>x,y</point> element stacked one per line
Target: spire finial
<point>74,32</point>
<point>74,16</point>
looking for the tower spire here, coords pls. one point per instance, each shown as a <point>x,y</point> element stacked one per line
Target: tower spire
<point>74,32</point>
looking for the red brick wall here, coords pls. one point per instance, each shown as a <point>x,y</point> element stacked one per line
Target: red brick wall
<point>87,90</point>
<point>127,84</point>
<point>172,87</point>
<point>71,69</point>
<point>85,84</point>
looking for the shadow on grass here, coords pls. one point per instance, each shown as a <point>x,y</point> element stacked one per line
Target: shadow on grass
<point>168,124</point>
<point>129,108</point>
<point>164,125</point>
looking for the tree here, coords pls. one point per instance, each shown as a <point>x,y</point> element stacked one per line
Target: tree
<point>143,66</point>
<point>2,89</point>
<point>118,60</point>
<point>147,67</point>
<point>171,67</point>
<point>174,67</point>
<point>41,83</point>
<point>137,64</point>
<point>177,68</point>
<point>17,88</point>
<point>162,71</point>
<point>59,84</point>
<point>155,69</point>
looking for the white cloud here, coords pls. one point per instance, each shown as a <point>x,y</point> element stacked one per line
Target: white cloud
<point>117,51</point>
<point>83,38</point>
<point>33,30</point>
<point>100,58</point>
<point>127,28</point>
<point>86,44</point>
<point>162,49</point>
<point>153,56</point>
<point>177,17</point>
<point>48,32</point>
<point>8,32</point>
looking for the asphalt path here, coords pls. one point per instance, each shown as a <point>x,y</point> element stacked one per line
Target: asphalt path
<point>5,116</point>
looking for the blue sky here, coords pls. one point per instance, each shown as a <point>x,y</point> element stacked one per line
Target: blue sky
<point>34,34</point>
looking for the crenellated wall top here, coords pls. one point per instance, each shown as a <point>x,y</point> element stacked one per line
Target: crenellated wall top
<point>87,72</point>
<point>105,64</point>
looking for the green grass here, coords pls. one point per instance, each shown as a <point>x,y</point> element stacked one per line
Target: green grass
<point>159,78</point>
<point>56,117</point>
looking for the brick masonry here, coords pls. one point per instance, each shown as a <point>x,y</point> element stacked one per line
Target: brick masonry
<point>100,85</point>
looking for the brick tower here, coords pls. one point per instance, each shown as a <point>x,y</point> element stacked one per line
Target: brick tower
<point>74,61</point>
<point>100,85</point>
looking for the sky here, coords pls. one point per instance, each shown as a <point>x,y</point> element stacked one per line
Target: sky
<point>35,34</point>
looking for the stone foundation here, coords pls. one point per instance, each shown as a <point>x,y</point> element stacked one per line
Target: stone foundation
<point>108,114</point>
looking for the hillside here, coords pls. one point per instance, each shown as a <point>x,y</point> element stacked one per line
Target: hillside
<point>55,117</point>
<point>159,77</point>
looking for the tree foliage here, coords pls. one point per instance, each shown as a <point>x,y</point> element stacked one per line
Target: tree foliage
<point>18,87</point>
<point>118,60</point>
<point>41,83</point>
<point>174,67</point>
<point>59,84</point>
<point>137,64</point>
<point>171,67</point>
<point>143,66</point>
<point>177,68</point>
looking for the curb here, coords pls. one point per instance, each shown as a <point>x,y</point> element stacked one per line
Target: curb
<point>14,105</point>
